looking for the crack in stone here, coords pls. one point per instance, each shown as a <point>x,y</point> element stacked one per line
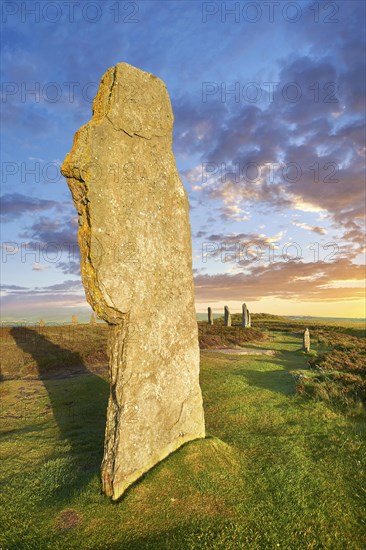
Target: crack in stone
<point>112,86</point>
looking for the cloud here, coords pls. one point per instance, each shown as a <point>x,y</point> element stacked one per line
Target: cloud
<point>243,248</point>
<point>18,300</point>
<point>321,135</point>
<point>298,281</point>
<point>69,285</point>
<point>37,266</point>
<point>49,242</point>
<point>234,212</point>
<point>13,287</point>
<point>14,205</point>
<point>292,155</point>
<point>54,240</point>
<point>245,238</point>
<point>69,268</point>
<point>315,228</point>
<point>52,230</point>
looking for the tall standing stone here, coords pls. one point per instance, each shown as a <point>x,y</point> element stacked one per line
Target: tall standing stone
<point>244,315</point>
<point>136,266</point>
<point>227,317</point>
<point>74,319</point>
<point>41,323</point>
<point>209,314</point>
<point>306,341</point>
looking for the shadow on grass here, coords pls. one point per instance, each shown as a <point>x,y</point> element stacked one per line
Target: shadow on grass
<point>279,380</point>
<point>173,454</point>
<point>78,401</point>
<point>276,380</point>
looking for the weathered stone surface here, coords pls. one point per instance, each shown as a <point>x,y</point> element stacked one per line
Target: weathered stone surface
<point>135,242</point>
<point>227,317</point>
<point>244,315</point>
<point>209,314</point>
<point>74,319</point>
<point>306,340</point>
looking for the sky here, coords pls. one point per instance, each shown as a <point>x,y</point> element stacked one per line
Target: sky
<point>269,139</point>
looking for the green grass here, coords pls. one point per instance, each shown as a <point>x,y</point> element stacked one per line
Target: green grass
<point>277,470</point>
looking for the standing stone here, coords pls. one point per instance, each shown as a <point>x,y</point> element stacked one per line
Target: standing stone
<point>227,317</point>
<point>306,341</point>
<point>74,319</point>
<point>209,313</point>
<point>249,319</point>
<point>93,319</point>
<point>41,323</point>
<point>136,266</point>
<point>244,315</point>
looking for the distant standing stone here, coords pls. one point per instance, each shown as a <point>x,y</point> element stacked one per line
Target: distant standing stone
<point>244,315</point>
<point>74,319</point>
<point>227,317</point>
<point>306,341</point>
<point>41,323</point>
<point>209,313</point>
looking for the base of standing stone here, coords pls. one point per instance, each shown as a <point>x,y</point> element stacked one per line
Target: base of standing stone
<point>155,405</point>
<point>118,489</point>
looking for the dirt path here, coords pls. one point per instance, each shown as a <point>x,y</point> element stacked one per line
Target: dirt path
<point>242,351</point>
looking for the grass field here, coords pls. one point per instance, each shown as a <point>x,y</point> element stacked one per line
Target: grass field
<point>279,468</point>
